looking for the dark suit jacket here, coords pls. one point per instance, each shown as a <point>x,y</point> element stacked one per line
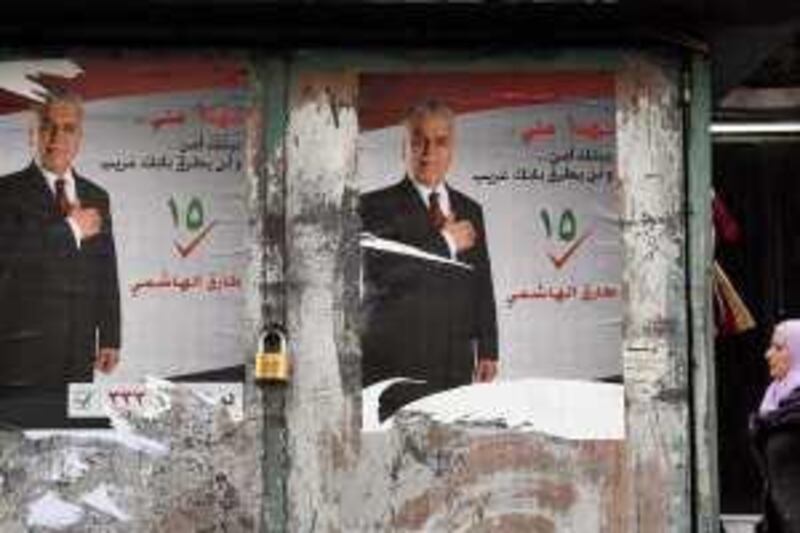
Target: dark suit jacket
<point>776,440</point>
<point>423,319</point>
<point>58,302</point>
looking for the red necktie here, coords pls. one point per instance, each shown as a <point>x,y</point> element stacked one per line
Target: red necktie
<point>435,214</point>
<point>62,203</point>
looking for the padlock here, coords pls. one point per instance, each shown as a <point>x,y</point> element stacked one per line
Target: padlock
<point>272,359</point>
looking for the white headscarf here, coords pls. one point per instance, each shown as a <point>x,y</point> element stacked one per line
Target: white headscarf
<point>781,388</point>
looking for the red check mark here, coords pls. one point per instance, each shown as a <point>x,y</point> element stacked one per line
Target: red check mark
<point>559,262</point>
<point>184,251</point>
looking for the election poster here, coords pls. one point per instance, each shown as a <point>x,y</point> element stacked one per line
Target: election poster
<point>141,275</point>
<point>503,300</point>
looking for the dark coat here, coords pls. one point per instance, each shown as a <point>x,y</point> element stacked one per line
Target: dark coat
<point>423,319</point>
<point>59,302</point>
<point>776,441</point>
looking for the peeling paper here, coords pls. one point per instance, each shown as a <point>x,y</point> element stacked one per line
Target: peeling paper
<point>53,512</point>
<point>372,242</point>
<point>230,395</point>
<point>369,400</point>
<point>125,438</point>
<point>70,468</point>
<point>100,500</point>
<point>570,409</point>
<point>18,76</point>
<point>150,399</point>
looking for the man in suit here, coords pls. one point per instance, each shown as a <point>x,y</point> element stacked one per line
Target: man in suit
<point>60,316</point>
<point>430,321</point>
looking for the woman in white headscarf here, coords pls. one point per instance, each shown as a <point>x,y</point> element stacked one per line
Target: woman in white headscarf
<point>776,431</point>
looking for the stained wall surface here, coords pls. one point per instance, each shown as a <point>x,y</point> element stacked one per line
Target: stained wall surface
<point>299,461</point>
<point>425,475</point>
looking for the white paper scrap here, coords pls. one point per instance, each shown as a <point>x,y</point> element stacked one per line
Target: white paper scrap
<point>100,500</point>
<point>570,409</point>
<point>53,512</point>
<point>370,241</point>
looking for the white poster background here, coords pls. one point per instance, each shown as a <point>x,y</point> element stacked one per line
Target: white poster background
<point>510,160</point>
<point>186,315</point>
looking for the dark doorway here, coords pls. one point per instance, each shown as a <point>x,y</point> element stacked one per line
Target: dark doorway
<point>759,181</point>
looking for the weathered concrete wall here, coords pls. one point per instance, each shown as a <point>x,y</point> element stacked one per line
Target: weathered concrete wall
<point>427,476</point>
<point>323,408</point>
<point>193,469</point>
<point>650,155</point>
<point>438,477</point>
<point>190,469</point>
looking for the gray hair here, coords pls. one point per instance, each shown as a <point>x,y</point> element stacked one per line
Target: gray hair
<point>58,96</point>
<point>429,107</point>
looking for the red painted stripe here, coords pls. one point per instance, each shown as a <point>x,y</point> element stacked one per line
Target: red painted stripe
<point>384,98</point>
<point>108,77</point>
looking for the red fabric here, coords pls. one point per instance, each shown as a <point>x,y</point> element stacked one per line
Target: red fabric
<point>725,225</point>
